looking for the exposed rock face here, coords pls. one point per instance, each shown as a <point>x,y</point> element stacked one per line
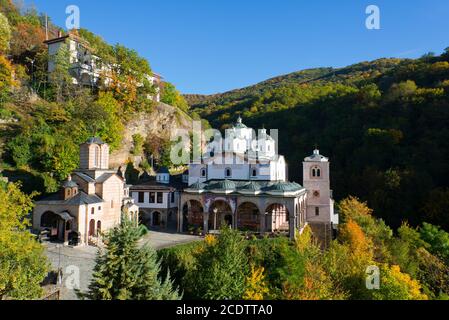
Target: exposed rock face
<point>161,122</point>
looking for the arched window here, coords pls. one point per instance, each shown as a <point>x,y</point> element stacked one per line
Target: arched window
<point>228,172</point>
<point>92,211</point>
<point>254,173</point>
<point>316,172</point>
<point>97,156</point>
<point>203,172</point>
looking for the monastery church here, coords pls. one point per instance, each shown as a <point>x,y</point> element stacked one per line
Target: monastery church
<point>248,191</point>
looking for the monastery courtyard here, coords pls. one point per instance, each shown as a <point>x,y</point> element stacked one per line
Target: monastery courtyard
<point>83,257</point>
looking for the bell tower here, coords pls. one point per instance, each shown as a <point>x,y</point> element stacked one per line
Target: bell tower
<point>320,205</point>
<point>94,155</point>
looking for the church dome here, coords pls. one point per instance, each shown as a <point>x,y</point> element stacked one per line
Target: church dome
<point>197,186</point>
<point>316,156</point>
<point>283,187</point>
<point>69,183</point>
<point>252,186</point>
<point>222,185</point>
<point>94,140</point>
<point>239,124</point>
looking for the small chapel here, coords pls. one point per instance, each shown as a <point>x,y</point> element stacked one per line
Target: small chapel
<point>89,202</point>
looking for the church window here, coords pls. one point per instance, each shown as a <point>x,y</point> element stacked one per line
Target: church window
<point>141,197</point>
<point>97,156</point>
<point>317,211</point>
<point>228,172</point>
<point>316,172</point>
<point>203,172</point>
<point>92,211</point>
<point>172,197</point>
<point>254,173</point>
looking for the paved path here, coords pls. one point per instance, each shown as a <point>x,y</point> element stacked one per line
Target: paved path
<point>82,258</point>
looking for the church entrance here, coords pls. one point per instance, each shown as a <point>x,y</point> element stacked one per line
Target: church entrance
<point>220,215</point>
<point>54,224</point>
<point>156,219</point>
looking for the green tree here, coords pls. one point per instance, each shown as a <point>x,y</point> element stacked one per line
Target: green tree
<point>5,34</point>
<point>23,265</point>
<point>126,272</point>
<point>222,268</point>
<point>438,240</point>
<point>172,97</point>
<point>60,77</point>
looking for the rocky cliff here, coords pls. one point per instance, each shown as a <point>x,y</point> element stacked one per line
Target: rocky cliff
<point>161,122</point>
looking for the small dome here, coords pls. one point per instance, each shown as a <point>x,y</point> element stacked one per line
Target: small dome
<point>252,186</point>
<point>239,124</point>
<point>316,156</point>
<point>283,187</point>
<point>94,140</point>
<point>69,183</point>
<point>197,186</point>
<point>222,185</point>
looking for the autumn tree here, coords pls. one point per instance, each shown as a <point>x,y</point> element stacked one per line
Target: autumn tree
<point>396,285</point>
<point>23,265</point>
<point>5,34</point>
<point>173,97</point>
<point>256,286</point>
<point>27,40</point>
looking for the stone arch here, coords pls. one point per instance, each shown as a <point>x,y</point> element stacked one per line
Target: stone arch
<point>220,214</point>
<point>156,218</point>
<point>49,219</point>
<point>92,228</point>
<point>98,227</point>
<point>171,219</point>
<point>248,216</point>
<point>277,217</point>
<point>193,212</point>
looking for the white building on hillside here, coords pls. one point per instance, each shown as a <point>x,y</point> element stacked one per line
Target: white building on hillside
<point>86,67</point>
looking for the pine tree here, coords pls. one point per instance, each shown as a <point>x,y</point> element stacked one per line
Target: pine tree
<point>222,268</point>
<point>126,272</point>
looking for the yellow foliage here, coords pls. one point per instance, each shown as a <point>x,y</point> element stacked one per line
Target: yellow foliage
<point>352,234</point>
<point>210,240</point>
<point>304,240</point>
<point>256,287</point>
<point>396,285</point>
<point>352,207</point>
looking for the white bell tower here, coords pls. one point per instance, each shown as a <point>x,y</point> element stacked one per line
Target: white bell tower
<point>320,205</point>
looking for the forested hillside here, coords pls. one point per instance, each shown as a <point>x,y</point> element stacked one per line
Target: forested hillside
<point>44,117</point>
<point>384,125</point>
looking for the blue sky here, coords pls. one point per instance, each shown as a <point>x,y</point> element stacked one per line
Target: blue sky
<point>209,46</point>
